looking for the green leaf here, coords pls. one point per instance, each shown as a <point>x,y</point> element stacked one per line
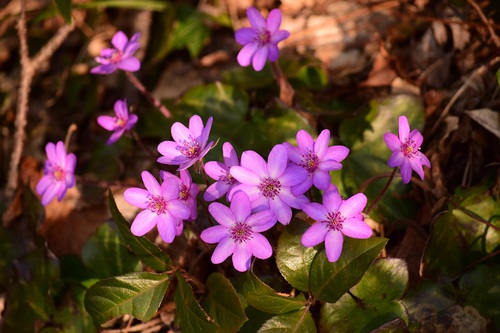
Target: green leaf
<point>191,316</point>
<point>377,302</point>
<point>457,239</point>
<point>294,259</point>
<point>157,5</point>
<point>264,298</point>
<point>329,281</point>
<point>64,7</point>
<point>189,31</point>
<point>148,253</point>
<point>297,321</point>
<point>498,77</point>
<point>138,294</point>
<point>106,254</point>
<point>223,305</point>
<point>480,288</point>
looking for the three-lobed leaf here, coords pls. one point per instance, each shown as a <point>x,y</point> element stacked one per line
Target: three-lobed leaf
<point>329,281</point>
<point>264,298</point>
<point>148,253</point>
<point>294,259</point>
<point>138,294</point>
<point>223,305</point>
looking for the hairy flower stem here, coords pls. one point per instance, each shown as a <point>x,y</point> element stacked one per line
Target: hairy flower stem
<point>381,194</point>
<point>287,93</point>
<point>143,146</point>
<point>135,81</point>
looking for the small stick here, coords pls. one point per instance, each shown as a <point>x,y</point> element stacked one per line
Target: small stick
<point>494,36</point>
<point>153,100</point>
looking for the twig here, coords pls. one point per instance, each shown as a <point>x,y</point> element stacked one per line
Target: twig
<point>287,93</point>
<point>494,36</point>
<point>381,194</point>
<point>29,68</point>
<point>153,100</point>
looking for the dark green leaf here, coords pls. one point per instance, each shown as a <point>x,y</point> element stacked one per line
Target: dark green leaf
<point>293,259</point>
<point>223,305</point>
<point>137,4</point>
<point>64,7</point>
<point>377,302</point>
<point>264,298</point>
<point>148,253</point>
<point>297,322</point>
<point>329,281</point>
<point>106,254</point>
<point>189,313</point>
<point>480,288</point>
<point>190,31</point>
<point>138,294</point>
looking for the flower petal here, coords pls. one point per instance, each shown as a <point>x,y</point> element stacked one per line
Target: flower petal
<point>416,137</point>
<point>332,198</point>
<point>244,36</point>
<point>279,36</point>
<point>222,214</point>
<point>282,211</point>
<point>203,137</point>
<point>255,18</point>
<point>321,143</point>
<point>397,158</point>
<point>404,128</point>
<point>305,141</point>
<point>253,161</point>
<point>181,133</point>
<point>416,166</point>
<point>136,197</point>
<point>242,258</point>
<point>260,247</point>
<point>225,248</point>
<point>143,223</point>
<point>215,191</point>
<point>274,52</point>
<point>131,64</point>
<point>353,206</point>
<point>214,234</point>
<point>355,228</point>
<point>277,161</point>
<point>107,122</point>
<point>293,175</point>
<point>260,58</point>
<point>179,209</point>
<point>229,155</point>
<point>151,183</point>
<point>303,187</point>
<point>262,221</point>
<point>119,40</point>
<point>240,206</point>
<point>333,245</point>
<point>321,180</point>
<point>336,153</point>
<point>314,235</point>
<point>246,54</point>
<point>315,211</point>
<point>392,141</point>
<point>166,227</point>
<point>273,21</point>
<point>294,153</point>
<point>405,169</point>
<point>295,201</point>
<point>245,176</point>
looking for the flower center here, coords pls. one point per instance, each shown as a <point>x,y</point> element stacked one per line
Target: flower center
<point>264,37</point>
<point>58,173</point>
<point>334,221</point>
<point>270,187</point>
<point>310,162</point>
<point>157,204</point>
<point>115,57</point>
<point>240,232</point>
<point>409,147</point>
<point>184,193</point>
<point>190,149</point>
<point>227,178</point>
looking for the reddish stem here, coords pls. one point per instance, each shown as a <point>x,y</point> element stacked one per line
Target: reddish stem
<point>135,81</point>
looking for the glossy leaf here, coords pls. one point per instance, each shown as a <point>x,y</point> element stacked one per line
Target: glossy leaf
<point>107,255</point>
<point>264,298</point>
<point>223,305</point>
<point>64,7</point>
<point>293,259</point>
<point>148,253</point>
<point>480,288</point>
<point>329,281</point>
<point>191,316</point>
<point>457,239</point>
<point>138,294</point>
<point>377,302</point>
<point>297,321</point>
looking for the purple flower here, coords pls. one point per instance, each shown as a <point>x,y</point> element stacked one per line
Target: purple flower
<point>190,144</point>
<point>119,124</point>
<point>406,151</point>
<point>239,232</point>
<point>187,190</point>
<point>58,173</point>
<point>119,57</point>
<point>261,40</point>
<point>268,185</point>
<point>335,218</point>
<point>162,207</point>
<point>317,158</point>
<point>225,183</point>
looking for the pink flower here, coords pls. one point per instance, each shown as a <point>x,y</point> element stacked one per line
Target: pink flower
<point>119,124</point>
<point>58,173</point>
<point>190,144</point>
<point>225,183</point>
<point>335,218</point>
<point>261,40</point>
<point>161,207</point>
<point>268,185</point>
<point>119,57</point>
<point>239,232</point>
<point>317,158</point>
<point>406,151</point>
<point>187,190</point>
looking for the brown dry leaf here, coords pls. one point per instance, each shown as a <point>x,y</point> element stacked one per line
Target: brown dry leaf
<point>381,74</point>
<point>487,118</point>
